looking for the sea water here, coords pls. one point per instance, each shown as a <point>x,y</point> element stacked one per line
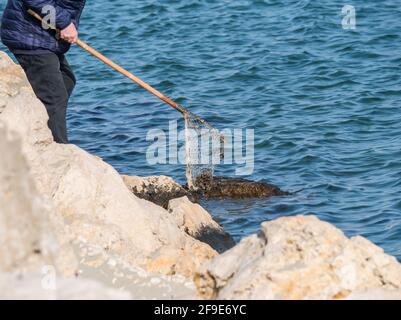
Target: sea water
<point>323,98</point>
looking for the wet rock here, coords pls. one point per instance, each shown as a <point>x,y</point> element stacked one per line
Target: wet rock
<point>161,189</point>
<point>200,183</point>
<point>241,189</point>
<point>198,223</point>
<point>298,258</point>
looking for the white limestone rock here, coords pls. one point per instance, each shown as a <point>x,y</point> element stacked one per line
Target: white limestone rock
<point>298,258</point>
<point>37,287</point>
<point>198,223</point>
<point>25,237</point>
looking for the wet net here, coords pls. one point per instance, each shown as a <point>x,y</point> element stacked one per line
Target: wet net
<point>203,145</point>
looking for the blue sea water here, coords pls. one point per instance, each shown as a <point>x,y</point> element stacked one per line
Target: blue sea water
<point>324,102</point>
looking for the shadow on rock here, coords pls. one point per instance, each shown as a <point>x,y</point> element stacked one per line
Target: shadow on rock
<point>199,224</point>
<point>218,240</point>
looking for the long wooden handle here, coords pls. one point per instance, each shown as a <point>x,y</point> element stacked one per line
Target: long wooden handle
<point>116,67</point>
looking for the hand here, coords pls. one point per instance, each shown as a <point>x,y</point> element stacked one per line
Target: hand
<point>69,34</point>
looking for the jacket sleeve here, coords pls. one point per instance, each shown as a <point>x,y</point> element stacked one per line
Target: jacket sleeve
<point>63,18</point>
<point>75,20</point>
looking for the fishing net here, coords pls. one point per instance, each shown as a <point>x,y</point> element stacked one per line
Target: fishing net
<point>203,152</point>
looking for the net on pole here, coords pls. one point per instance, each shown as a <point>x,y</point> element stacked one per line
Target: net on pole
<point>202,150</point>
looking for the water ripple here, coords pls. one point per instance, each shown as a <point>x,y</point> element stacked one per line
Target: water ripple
<point>324,102</point>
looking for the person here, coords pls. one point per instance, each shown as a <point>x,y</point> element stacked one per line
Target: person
<point>42,54</point>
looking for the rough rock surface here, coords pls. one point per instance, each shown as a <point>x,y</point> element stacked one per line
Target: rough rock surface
<point>24,227</point>
<point>299,258</point>
<point>161,189</point>
<point>157,189</point>
<point>96,208</point>
<point>236,188</point>
<point>375,294</point>
<point>27,244</point>
<point>198,223</point>
<point>36,287</point>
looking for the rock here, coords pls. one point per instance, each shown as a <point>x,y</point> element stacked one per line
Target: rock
<point>95,210</point>
<point>28,245</point>
<point>298,258</point>
<point>25,239</point>
<point>161,189</point>
<point>375,294</point>
<point>141,284</point>
<point>37,287</point>
<point>198,223</point>
<point>241,189</point>
<point>157,189</point>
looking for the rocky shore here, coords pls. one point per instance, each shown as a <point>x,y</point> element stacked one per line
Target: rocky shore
<point>161,189</point>
<point>71,227</point>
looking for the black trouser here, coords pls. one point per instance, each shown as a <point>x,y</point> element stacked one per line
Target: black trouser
<point>52,81</point>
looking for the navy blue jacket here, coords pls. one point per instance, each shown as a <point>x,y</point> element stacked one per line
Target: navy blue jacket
<point>23,34</point>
